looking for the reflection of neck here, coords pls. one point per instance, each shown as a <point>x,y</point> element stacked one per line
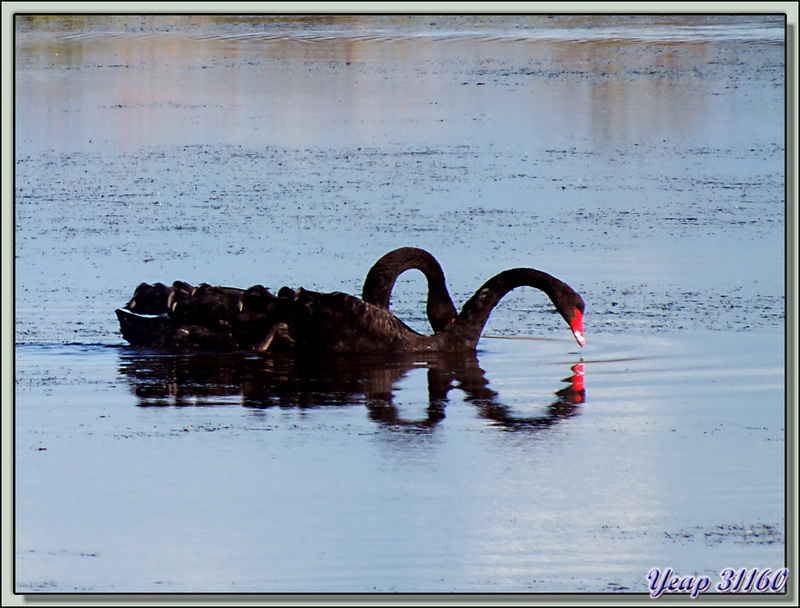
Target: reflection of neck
<point>565,406</point>
<point>203,378</point>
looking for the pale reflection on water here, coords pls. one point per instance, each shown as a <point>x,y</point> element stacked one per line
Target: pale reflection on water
<point>157,472</point>
<point>183,84</point>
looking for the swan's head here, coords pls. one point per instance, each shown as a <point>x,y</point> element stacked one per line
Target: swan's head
<point>571,306</point>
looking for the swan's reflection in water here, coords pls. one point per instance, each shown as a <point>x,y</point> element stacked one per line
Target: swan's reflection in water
<point>197,379</point>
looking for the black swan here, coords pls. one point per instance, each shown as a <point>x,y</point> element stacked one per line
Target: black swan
<point>340,323</point>
<point>185,317</point>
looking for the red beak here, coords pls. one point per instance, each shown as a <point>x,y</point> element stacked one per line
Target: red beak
<point>577,327</point>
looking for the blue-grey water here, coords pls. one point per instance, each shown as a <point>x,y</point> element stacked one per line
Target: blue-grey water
<point>639,159</point>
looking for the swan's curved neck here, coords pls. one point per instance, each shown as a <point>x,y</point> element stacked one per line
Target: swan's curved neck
<point>382,276</point>
<point>476,311</point>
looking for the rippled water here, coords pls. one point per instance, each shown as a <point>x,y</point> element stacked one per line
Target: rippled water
<point>640,159</point>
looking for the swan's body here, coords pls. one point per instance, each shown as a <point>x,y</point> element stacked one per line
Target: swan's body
<point>204,317</point>
<point>227,318</point>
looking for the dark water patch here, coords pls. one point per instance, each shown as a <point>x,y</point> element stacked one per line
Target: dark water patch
<point>739,534</point>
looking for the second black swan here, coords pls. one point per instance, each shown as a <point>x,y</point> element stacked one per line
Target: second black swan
<point>227,318</point>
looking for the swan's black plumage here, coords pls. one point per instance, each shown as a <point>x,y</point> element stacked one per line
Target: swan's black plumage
<point>182,316</point>
<point>203,317</point>
<point>186,317</point>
